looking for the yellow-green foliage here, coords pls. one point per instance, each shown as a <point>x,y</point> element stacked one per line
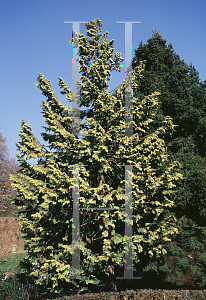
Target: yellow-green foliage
<point>45,188</point>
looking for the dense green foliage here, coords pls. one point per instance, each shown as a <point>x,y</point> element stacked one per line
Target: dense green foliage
<point>45,188</point>
<point>182,97</point>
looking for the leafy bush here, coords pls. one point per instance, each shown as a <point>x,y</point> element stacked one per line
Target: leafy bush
<point>11,287</point>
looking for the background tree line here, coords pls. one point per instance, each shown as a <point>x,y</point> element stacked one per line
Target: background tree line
<point>8,166</point>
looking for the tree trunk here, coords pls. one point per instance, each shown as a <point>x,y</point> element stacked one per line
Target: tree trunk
<point>111,279</point>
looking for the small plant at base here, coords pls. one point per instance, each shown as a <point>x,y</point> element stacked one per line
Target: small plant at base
<point>17,248</point>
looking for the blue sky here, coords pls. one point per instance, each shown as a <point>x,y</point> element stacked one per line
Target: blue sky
<point>34,38</point>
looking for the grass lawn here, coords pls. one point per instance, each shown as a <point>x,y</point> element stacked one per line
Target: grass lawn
<point>11,260</point>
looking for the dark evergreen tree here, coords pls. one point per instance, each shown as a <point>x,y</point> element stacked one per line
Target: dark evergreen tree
<point>182,97</point>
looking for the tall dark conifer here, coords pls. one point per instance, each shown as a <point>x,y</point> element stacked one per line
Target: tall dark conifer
<point>183,97</point>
